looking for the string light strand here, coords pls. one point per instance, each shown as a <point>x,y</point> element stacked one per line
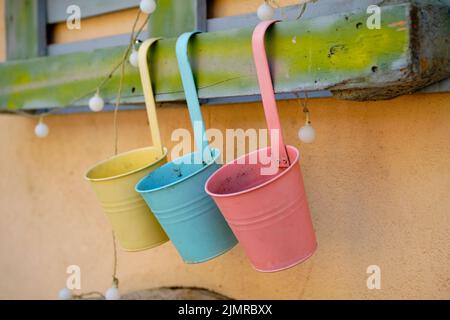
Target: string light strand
<point>113,292</point>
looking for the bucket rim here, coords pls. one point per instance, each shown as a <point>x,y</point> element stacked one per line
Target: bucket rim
<point>151,246</point>
<point>86,176</point>
<point>262,185</point>
<point>292,265</point>
<point>181,180</point>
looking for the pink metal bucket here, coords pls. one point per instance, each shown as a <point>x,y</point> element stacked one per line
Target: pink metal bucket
<point>268,213</point>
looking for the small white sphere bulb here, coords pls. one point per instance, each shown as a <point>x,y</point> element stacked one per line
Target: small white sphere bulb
<point>307,134</point>
<point>148,6</point>
<point>265,12</point>
<point>112,293</point>
<point>134,58</point>
<point>41,130</point>
<point>65,294</point>
<point>96,103</point>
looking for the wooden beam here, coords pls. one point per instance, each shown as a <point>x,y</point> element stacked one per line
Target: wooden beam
<point>429,23</point>
<point>25,29</point>
<point>335,52</point>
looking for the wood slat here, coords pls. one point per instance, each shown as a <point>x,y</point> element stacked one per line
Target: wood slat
<point>90,45</point>
<point>172,18</point>
<point>314,10</point>
<point>57,9</point>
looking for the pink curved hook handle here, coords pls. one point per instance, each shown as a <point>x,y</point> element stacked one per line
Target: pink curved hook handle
<point>267,93</point>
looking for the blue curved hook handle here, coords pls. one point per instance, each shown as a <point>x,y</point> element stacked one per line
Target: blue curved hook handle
<point>190,91</point>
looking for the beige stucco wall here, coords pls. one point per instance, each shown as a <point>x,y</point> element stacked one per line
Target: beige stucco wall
<point>378,181</point>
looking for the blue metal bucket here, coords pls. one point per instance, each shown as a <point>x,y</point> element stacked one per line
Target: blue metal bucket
<point>176,191</point>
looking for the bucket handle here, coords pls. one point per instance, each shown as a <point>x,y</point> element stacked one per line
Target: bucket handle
<point>149,95</point>
<point>267,92</point>
<point>192,100</point>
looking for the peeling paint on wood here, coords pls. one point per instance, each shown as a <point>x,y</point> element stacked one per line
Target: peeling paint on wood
<point>429,27</point>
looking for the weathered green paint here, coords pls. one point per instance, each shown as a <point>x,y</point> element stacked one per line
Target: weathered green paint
<point>174,17</point>
<point>25,29</point>
<point>321,53</point>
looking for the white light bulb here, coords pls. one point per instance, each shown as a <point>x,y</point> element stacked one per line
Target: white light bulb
<point>134,58</point>
<point>265,12</point>
<point>112,293</point>
<point>65,294</point>
<point>148,6</point>
<point>96,103</point>
<point>41,130</point>
<point>307,134</point>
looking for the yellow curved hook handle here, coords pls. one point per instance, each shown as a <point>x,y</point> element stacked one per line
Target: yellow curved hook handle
<point>148,93</point>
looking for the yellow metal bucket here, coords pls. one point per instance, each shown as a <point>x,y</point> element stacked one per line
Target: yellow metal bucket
<point>114,180</point>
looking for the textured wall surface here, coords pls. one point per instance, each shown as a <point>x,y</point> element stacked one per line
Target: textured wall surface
<point>377,177</point>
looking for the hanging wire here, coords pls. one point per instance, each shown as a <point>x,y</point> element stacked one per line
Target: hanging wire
<point>303,7</point>
<point>131,44</point>
<point>121,64</point>
<point>114,276</point>
<point>133,39</point>
<point>304,103</point>
<point>276,4</point>
<point>302,11</point>
<point>302,3</point>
